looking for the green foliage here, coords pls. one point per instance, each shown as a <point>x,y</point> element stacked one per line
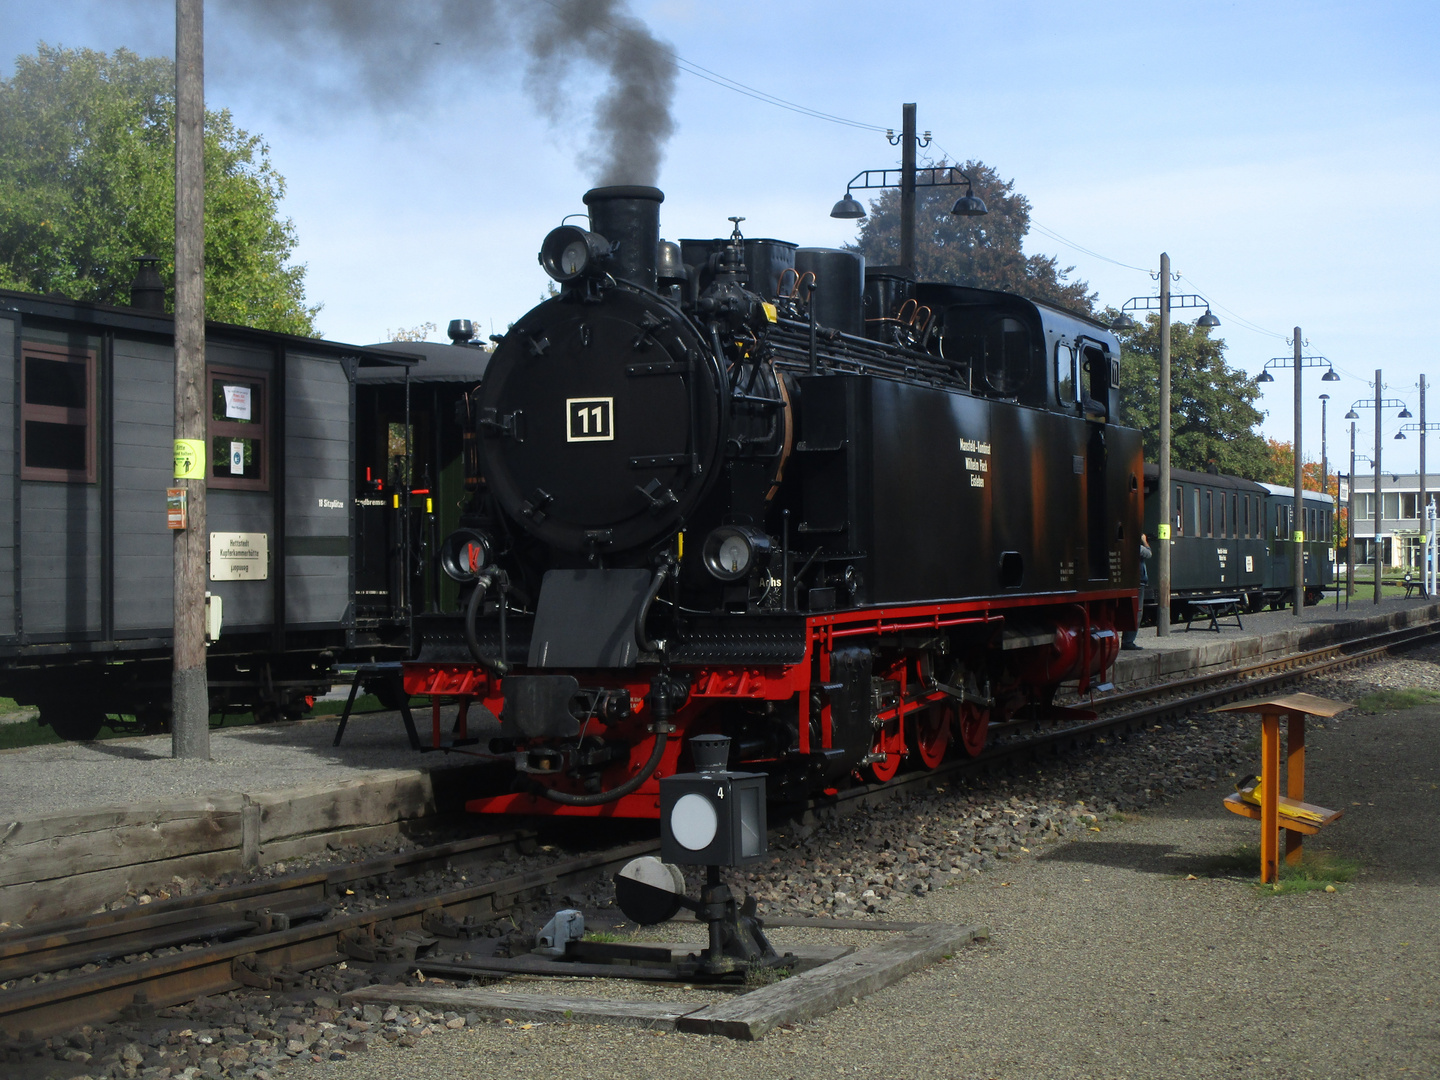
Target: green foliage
<point>87,183</point>
<point>1315,871</point>
<point>984,252</point>
<point>1212,405</point>
<point>1395,700</point>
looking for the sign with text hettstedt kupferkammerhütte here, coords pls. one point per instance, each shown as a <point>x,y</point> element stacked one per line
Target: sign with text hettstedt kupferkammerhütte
<point>239,556</point>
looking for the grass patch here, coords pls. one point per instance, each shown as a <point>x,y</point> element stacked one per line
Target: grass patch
<point>1313,873</point>
<point>1383,701</point>
<point>604,936</point>
<point>756,976</point>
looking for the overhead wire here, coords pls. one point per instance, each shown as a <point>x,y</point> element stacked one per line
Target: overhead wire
<point>725,82</point>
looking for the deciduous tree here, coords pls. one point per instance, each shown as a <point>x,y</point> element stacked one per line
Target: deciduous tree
<point>985,252</point>
<point>87,183</point>
<point>1213,413</point>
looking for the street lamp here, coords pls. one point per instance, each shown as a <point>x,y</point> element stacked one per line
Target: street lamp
<point>1163,303</point>
<point>907,179</point>
<point>1297,525</point>
<point>1378,404</point>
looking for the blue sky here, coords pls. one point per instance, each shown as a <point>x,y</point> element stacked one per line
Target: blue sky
<point>1284,154</point>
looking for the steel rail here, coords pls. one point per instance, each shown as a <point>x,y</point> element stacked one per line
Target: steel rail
<point>82,939</point>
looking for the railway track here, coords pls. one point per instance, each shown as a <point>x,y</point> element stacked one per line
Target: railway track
<point>265,934</point>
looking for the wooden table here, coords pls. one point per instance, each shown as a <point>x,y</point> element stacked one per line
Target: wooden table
<point>1297,707</point>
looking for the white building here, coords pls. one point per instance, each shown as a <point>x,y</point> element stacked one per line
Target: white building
<point>1401,517</point>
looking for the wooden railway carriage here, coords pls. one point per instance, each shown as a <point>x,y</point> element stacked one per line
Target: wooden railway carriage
<point>1319,544</point>
<point>1231,537</point>
<point>86,555</point>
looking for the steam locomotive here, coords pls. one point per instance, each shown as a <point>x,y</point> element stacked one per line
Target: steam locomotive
<point>737,486</point>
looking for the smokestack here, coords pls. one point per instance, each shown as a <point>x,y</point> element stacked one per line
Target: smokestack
<point>147,291</point>
<point>629,217</point>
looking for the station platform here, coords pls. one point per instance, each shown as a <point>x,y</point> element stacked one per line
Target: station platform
<point>83,824</point>
<point>1264,634</point>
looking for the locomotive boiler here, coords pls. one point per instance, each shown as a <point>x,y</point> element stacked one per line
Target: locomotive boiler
<point>844,517</point>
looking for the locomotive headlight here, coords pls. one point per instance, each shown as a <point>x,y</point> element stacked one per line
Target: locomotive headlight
<point>464,554</point>
<point>732,552</point>
<point>570,252</point>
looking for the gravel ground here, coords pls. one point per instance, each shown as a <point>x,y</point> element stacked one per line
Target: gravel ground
<point>1109,958</point>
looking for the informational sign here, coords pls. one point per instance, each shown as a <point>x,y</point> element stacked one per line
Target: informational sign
<point>239,556</point>
<point>237,403</point>
<point>189,459</point>
<point>237,459</point>
<point>175,508</point>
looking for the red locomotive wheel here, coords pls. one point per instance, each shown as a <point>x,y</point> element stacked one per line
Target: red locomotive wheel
<point>930,733</point>
<point>974,728</point>
<point>885,769</point>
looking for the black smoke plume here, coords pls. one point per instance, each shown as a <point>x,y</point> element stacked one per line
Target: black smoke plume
<point>394,53</point>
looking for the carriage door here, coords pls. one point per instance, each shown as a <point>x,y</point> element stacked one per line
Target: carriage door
<point>1097,368</point>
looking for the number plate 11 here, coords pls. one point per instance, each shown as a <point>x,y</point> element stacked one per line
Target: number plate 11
<point>589,419</point>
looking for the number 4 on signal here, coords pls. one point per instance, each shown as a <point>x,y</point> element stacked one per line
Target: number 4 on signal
<point>589,419</point>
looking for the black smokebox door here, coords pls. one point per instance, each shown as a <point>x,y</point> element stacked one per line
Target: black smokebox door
<point>586,619</point>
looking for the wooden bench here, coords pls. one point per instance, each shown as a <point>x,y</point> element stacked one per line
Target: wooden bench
<point>1215,609</point>
<point>374,672</point>
<point>1269,812</point>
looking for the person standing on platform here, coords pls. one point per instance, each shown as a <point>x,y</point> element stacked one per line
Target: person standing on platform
<point>1127,639</point>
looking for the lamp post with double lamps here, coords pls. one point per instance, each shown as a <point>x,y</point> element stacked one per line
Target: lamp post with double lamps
<point>907,178</point>
<point>1378,404</point>
<point>1297,524</point>
<point>1163,303</point>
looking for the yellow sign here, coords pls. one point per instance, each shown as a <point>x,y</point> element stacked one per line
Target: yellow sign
<point>189,459</point>
<point>1299,537</point>
<point>1162,531</point>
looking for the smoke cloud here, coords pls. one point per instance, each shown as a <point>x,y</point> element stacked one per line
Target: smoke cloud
<point>393,53</point>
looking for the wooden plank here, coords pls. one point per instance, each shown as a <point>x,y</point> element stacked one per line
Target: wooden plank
<point>807,958</point>
<point>64,845</point>
<point>657,1016</point>
<point>1237,805</point>
<point>1306,703</point>
<point>383,797</point>
<point>802,997</point>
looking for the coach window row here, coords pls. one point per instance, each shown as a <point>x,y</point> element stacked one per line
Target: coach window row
<point>58,420</point>
<point>1208,512</point>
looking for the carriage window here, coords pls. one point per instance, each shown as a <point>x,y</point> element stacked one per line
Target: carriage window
<point>238,443</point>
<point>1234,515</point>
<point>1065,382</point>
<point>1195,529</point>
<point>1221,500</point>
<point>1208,521</point>
<point>57,413</point>
<point>1179,510</point>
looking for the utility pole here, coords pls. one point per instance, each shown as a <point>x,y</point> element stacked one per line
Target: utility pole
<point>1421,507</point>
<point>1379,385</point>
<point>1325,483</point>
<point>1350,526</point>
<point>190,698</point>
<point>907,189</point>
<point>1162,566</point>
<point>1297,526</point>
